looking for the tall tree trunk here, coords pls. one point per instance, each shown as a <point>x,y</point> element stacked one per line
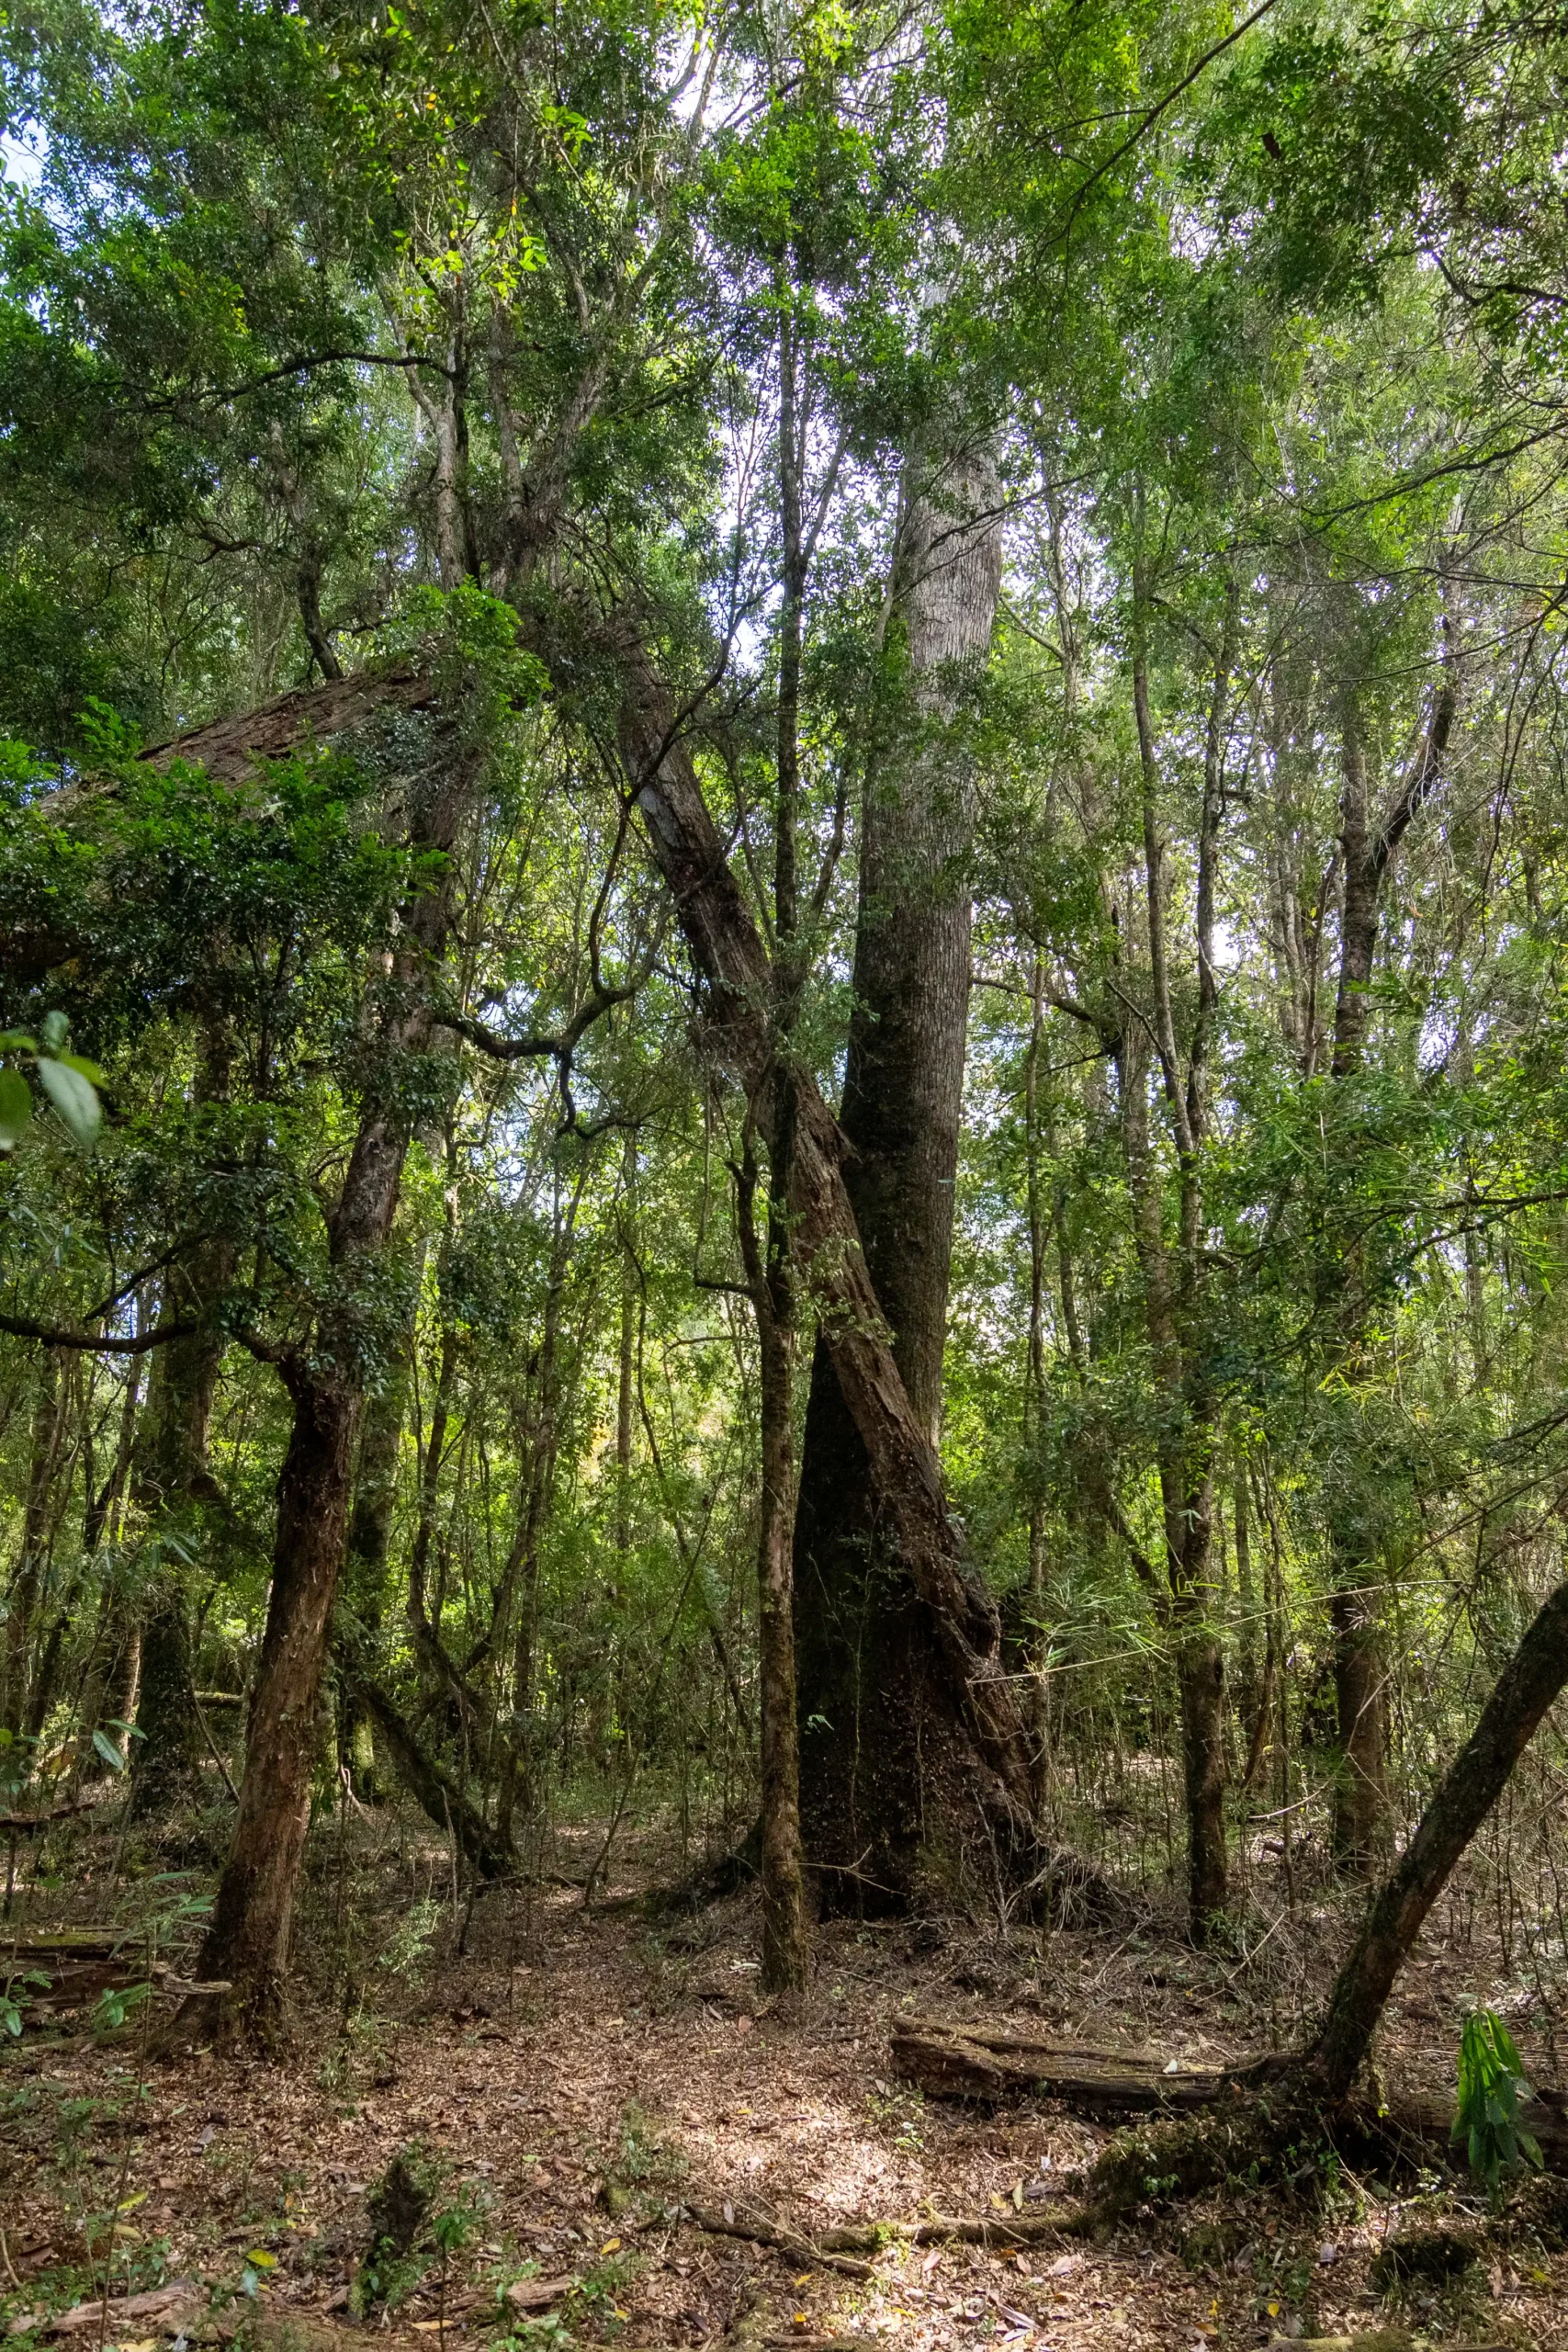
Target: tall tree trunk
<point>1534,1676</point>
<point>248,1942</point>
<point>771,1271</point>
<point>786,1952</point>
<point>537,1450</point>
<point>990,1750</point>
<point>1361,1812</point>
<point>50,1412</point>
<point>625,1396</point>
<point>363,1593</point>
<point>886,1741</point>
<point>169,1486</point>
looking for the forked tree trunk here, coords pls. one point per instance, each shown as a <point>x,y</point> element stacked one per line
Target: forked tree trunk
<point>988,1755</point>
<point>884,1733</point>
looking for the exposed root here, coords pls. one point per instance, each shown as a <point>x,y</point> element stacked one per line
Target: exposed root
<point>839,2249</point>
<point>760,2230</point>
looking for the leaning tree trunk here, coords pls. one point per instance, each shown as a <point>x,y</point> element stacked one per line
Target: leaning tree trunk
<point>884,1740</point>
<point>248,1942</point>
<point>1527,1687</point>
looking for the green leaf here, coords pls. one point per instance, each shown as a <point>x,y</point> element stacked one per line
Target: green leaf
<point>16,1041</point>
<point>72,1097</point>
<point>56,1029</point>
<point>15,1109</point>
<point>80,1063</point>
<point>109,1751</point>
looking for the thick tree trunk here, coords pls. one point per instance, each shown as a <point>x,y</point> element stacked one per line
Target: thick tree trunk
<point>885,1732</point>
<point>1533,1678</point>
<point>248,1941</point>
<point>983,1745</point>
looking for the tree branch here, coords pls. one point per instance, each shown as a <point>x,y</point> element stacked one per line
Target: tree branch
<point>22,1327</point>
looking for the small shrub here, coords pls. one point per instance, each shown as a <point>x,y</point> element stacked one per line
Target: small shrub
<point>1491,2083</point>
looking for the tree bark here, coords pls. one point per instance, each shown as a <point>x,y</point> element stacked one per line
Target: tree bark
<point>247,1943</point>
<point>887,1734</point>
<point>785,1950</point>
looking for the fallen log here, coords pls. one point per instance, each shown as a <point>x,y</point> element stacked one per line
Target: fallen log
<point>949,2061</point>
<point>180,2299</point>
<point>971,2061</point>
<point>80,1964</point>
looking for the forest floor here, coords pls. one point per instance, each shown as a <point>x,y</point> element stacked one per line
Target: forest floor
<point>577,2081</point>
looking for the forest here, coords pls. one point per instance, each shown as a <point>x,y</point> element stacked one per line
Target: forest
<point>783,1173</point>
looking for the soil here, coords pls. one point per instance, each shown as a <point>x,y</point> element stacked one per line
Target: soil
<point>568,2085</point>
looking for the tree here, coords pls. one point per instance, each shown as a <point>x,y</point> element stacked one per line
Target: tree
<point>885,1779</point>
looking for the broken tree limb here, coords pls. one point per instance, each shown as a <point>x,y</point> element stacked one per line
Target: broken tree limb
<point>21,1825</point>
<point>184,2296</point>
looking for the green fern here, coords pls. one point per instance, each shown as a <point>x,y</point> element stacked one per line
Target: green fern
<point>1491,2084</point>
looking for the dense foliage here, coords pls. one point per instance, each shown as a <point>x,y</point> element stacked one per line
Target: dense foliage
<point>454,347</point>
